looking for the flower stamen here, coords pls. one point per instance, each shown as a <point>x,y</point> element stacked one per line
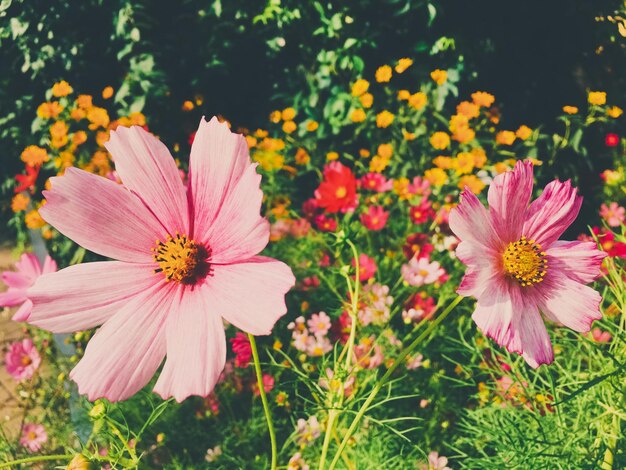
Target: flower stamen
<point>525,261</point>
<point>181,259</point>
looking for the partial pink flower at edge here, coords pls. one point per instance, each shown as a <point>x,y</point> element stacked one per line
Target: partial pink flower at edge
<point>34,436</point>
<point>22,360</point>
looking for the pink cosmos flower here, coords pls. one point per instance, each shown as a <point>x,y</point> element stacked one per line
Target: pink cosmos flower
<point>375,182</point>
<point>268,385</point>
<point>420,187</point>
<point>517,267</point>
<point>436,462</point>
<point>367,267</point>
<point>613,214</point>
<point>422,212</point>
<point>325,223</point>
<point>600,336</point>
<point>185,259</point>
<point>420,271</point>
<point>242,349</point>
<point>28,270</point>
<point>33,437</point>
<point>22,360</point>
<point>319,324</point>
<point>307,430</point>
<point>375,218</point>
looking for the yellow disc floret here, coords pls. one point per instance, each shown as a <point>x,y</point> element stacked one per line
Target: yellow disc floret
<point>525,261</point>
<point>180,259</point>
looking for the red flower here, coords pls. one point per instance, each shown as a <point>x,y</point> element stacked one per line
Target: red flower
<point>423,212</point>
<point>337,192</point>
<point>417,245</point>
<point>367,267</point>
<point>325,224</point>
<point>27,181</point>
<point>241,347</point>
<point>375,218</point>
<point>611,140</point>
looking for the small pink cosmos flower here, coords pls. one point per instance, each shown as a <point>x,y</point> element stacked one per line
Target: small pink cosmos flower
<point>185,260</point>
<point>22,360</point>
<point>319,324</point>
<point>517,267</point>
<point>613,214</point>
<point>375,182</point>
<point>28,270</point>
<point>375,218</point>
<point>33,437</point>
<point>436,462</point>
<point>420,271</point>
<point>242,349</point>
<point>367,267</point>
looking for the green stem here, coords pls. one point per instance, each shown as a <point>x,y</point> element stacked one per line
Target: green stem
<point>399,360</point>
<point>266,408</point>
<point>332,416</point>
<point>38,458</point>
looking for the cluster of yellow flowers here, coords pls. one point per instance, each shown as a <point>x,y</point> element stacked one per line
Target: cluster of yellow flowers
<point>596,99</point>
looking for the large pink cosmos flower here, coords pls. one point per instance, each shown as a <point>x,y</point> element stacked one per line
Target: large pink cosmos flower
<point>18,282</point>
<point>186,258</point>
<point>517,267</point>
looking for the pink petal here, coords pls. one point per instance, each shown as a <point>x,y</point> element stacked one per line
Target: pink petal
<point>580,261</point>
<point>12,297</point>
<point>127,350</point>
<point>470,221</point>
<point>49,265</point>
<point>217,161</point>
<point>239,232</point>
<point>568,302</point>
<point>101,216</point>
<point>494,315</point>
<point>537,348</point>
<point>481,269</point>
<point>23,312</point>
<point>551,213</point>
<point>17,280</point>
<point>28,265</point>
<point>196,347</point>
<point>86,295</point>
<point>509,195</point>
<point>250,295</point>
<point>147,168</point>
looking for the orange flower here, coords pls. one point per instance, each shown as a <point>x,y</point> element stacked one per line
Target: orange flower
<point>49,110</point>
<point>33,220</point>
<point>471,110</point>
<point>302,157</point>
<point>58,129</point>
<point>483,99</point>
<point>137,119</point>
<point>251,141</point>
<point>480,157</point>
<point>439,76</point>
<point>19,202</point>
<point>102,137</point>
<point>505,138</point>
<point>570,109</point>
<point>84,101</point>
<point>34,155</point>
<point>188,105</point>
<point>77,114</point>
<point>408,135</point>
<point>403,64</point>
<point>443,162</point>
<point>464,135</point>
<point>359,87</point>
<point>61,88</point>
<point>597,98</point>
<point>107,92</point>
<point>418,100</point>
<point>404,95</point>
<point>385,150</point>
<point>472,182</point>
<point>440,140</point>
<point>384,119</point>
<point>64,160</point>
<point>383,74</point>
<point>289,127</point>
<point>364,153</point>
<point>463,163</point>
<point>275,117</point>
<point>311,126</point>
<point>436,176</point>
<point>288,114</point>
<point>378,164</point>
<point>614,112</point>
<point>366,99</point>
<point>331,156</point>
<point>357,115</point>
<point>98,117</point>
<point>523,132</point>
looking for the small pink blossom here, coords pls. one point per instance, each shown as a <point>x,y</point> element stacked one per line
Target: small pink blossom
<point>325,223</point>
<point>613,214</point>
<point>436,462</point>
<point>241,347</point>
<point>600,336</point>
<point>268,384</point>
<point>328,383</point>
<point>318,345</point>
<point>420,187</point>
<point>307,430</point>
<point>296,462</point>
<point>367,267</point>
<point>375,218</point>
<point>28,271</point>
<point>33,437</point>
<point>415,362</point>
<point>375,304</point>
<point>319,324</point>
<point>375,182</point>
<point>418,272</point>
<point>22,360</point>
<point>367,354</point>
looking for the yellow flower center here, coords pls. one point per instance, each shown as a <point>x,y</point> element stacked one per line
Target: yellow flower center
<point>341,192</point>
<point>26,360</point>
<point>181,259</point>
<point>525,262</point>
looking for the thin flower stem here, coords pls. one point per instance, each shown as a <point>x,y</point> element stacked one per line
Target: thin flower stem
<point>399,360</point>
<point>37,458</point>
<point>332,416</point>
<point>266,408</point>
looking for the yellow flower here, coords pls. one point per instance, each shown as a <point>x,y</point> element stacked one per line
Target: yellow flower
<point>383,74</point>
<point>359,87</point>
<point>288,114</point>
<point>378,164</point>
<point>34,155</point>
<point>408,135</point>
<point>79,138</point>
<point>188,105</point>
<point>364,153</point>
<point>251,141</point>
<point>384,119</point>
<point>330,156</point>
<point>472,182</point>
<point>458,121</point>
<point>357,115</point>
<point>404,95</point>
<point>523,132</point>
<point>366,99</point>
<point>480,157</point>
<point>77,114</point>
<point>33,220</point>
<point>275,117</point>
<point>501,167</point>
<point>99,163</point>
<point>260,133</point>
<point>443,162</point>
<point>107,92</point>
<point>403,64</point>
<point>463,163</point>
<point>61,88</point>
<point>98,117</point>
<point>418,100</point>
<point>440,140</point>
<point>269,160</point>
<point>84,101</point>
<point>102,137</point>
<point>614,112</point>
<point>534,161</point>
<point>436,176</point>
<point>597,98</point>
<point>302,157</point>
<point>58,129</point>
<point>401,188</point>
<point>464,135</point>
<point>483,99</point>
<point>470,110</point>
<point>570,109</point>
<point>612,177</point>
<point>19,202</point>
<point>137,119</point>
<point>385,150</point>
<point>289,127</point>
<point>505,138</point>
<point>311,126</point>
<point>439,76</point>
<point>64,160</point>
<point>49,110</point>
